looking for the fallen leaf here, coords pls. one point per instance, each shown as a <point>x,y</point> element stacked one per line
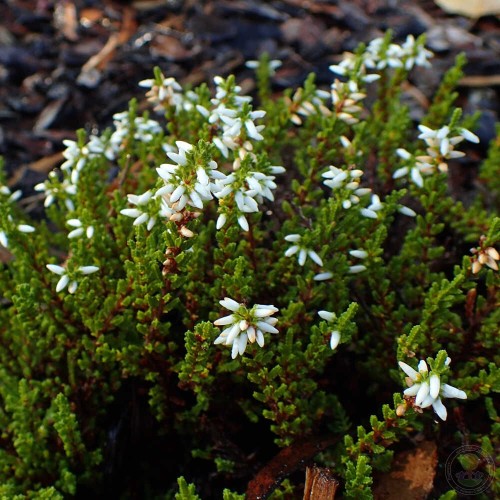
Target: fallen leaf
<point>411,476</point>
<point>470,8</point>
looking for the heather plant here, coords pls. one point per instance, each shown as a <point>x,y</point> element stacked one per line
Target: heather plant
<point>219,277</point>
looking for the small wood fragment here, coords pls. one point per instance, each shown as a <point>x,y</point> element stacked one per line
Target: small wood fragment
<point>320,484</point>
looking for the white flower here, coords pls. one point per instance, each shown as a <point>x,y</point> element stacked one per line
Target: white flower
<point>272,65</point>
<point>188,182</point>
<point>164,92</point>
<point>335,334</point>
<point>373,208</point>
<point>402,209</point>
<point>356,269</point>
<point>245,325</point>
<point>440,148</point>
<point>345,98</point>
<point>54,189</point>
<point>323,276</point>
<point>427,388</point>
<point>11,196</point>
<point>79,229</point>
<point>66,280</point>
<point>142,213</point>
<point>359,254</point>
<point>25,228</point>
<point>247,188</point>
<point>301,250</point>
<point>22,228</point>
<point>145,130</point>
<point>416,54</point>
<point>337,178</point>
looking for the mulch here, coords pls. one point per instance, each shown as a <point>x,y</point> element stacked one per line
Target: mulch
<point>72,64</point>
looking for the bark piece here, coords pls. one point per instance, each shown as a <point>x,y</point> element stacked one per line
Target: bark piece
<point>320,484</point>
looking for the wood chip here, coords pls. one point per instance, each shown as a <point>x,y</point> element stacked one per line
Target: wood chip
<point>470,8</point>
<point>66,20</point>
<point>320,484</point>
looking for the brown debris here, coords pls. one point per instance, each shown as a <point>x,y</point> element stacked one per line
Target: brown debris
<point>321,484</point>
<point>412,474</point>
<point>286,462</point>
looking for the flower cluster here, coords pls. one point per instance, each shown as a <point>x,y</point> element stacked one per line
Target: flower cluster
<point>427,389</point>
<point>380,54</point>
<point>58,189</point>
<point>189,180</point>
<point>345,98</point>
<point>233,118</point>
<point>272,65</point>
<point>303,105</point>
<point>145,129</point>
<point>484,256</point>
<point>440,148</point>
<point>349,180</point>
<point>246,189</point>
<point>167,93</point>
<point>77,154</point>
<point>245,325</point>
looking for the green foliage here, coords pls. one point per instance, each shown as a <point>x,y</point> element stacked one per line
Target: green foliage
<point>186,491</point>
<point>220,278</point>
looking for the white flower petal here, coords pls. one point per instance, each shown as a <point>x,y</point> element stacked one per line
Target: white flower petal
<point>243,223</point>
<point>315,257</point>
<point>55,269</point>
<point>422,393</point>
<point>334,339</point>
<point>230,304</point>
<point>266,327</point>
<point>440,409</point>
<point>221,220</point>
<point>75,233</point>
<point>88,269</point>
<point>232,333</point>
<point>61,284</point>
<point>327,315</point>
<point>302,256</point>
<point>131,212</point>
<point>264,311</point>
<point>448,391</point>
<point>412,391</point>
<point>435,386</point>
<point>291,251</point>
<point>408,370</point>
<point>226,320</point>
<point>260,338</point>
<point>359,254</point>
<point>323,276</point>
